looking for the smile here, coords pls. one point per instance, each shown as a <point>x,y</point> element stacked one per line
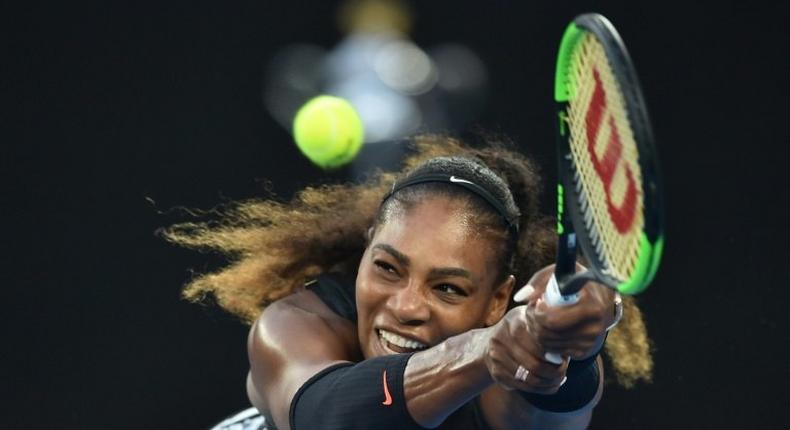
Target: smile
<point>400,343</point>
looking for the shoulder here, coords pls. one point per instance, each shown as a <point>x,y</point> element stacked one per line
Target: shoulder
<point>305,313</point>
<point>293,339</point>
<point>300,329</point>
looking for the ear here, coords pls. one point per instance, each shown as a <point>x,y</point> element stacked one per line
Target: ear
<point>499,301</point>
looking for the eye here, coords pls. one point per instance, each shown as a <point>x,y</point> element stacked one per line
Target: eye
<point>385,268</point>
<point>451,290</point>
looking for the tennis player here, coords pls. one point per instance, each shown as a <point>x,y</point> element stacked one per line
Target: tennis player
<point>390,305</point>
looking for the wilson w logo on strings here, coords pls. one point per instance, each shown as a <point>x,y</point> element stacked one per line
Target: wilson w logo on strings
<point>605,148</point>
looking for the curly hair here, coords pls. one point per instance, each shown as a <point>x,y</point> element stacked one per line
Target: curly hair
<point>275,247</point>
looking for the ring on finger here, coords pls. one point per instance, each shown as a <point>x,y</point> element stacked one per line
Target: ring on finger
<point>521,373</point>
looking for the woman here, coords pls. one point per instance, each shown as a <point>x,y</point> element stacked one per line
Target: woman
<point>390,302</point>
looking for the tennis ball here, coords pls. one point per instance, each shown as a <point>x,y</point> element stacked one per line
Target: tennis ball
<point>328,131</point>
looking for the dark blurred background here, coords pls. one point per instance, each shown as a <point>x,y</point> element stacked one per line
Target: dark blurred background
<point>119,111</point>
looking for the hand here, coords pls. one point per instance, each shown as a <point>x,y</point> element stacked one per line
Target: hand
<point>575,331</point>
<point>510,345</point>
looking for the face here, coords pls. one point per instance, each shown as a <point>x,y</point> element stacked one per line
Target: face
<point>427,275</point>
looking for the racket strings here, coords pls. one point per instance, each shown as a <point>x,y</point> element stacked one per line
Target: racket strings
<point>605,161</point>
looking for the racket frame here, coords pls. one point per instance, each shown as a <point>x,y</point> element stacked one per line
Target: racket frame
<point>570,224</point>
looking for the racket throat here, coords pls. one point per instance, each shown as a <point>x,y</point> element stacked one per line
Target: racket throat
<point>569,285</point>
<point>567,281</point>
<point>566,253</point>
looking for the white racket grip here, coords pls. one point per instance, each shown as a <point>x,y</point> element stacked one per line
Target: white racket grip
<point>553,297</point>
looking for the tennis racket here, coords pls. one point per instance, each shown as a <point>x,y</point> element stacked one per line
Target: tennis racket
<point>609,197</point>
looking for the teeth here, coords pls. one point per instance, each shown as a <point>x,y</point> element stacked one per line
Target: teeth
<point>401,341</point>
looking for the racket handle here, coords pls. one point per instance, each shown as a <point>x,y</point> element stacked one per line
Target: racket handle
<point>553,297</point>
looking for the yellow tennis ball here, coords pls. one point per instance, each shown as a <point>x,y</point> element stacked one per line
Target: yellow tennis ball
<point>328,131</point>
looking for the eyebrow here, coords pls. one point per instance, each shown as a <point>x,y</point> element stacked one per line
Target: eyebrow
<point>435,272</point>
<point>402,258</point>
<point>450,271</point>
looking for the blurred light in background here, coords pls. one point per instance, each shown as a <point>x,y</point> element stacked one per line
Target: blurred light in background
<point>405,68</point>
<point>292,77</point>
<point>397,87</point>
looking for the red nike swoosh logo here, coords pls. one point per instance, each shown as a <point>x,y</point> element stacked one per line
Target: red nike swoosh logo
<point>387,398</point>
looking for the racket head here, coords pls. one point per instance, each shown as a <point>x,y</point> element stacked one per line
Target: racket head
<point>610,187</point>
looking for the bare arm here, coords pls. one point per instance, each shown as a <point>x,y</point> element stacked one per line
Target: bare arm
<point>297,337</point>
<point>443,378</point>
<point>481,363</point>
<point>294,339</point>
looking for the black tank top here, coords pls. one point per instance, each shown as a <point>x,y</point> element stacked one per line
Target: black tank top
<point>338,292</point>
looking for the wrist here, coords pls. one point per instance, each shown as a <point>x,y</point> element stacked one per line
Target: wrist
<point>616,314</point>
<point>579,392</point>
<point>462,357</point>
<point>595,350</point>
<point>472,350</point>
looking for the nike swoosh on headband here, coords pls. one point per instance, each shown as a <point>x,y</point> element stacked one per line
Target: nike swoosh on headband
<point>454,179</point>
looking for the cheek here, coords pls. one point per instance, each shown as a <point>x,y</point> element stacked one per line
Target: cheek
<point>460,319</point>
<point>366,300</point>
<point>365,294</point>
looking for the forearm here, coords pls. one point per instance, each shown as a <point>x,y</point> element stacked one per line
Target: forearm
<point>396,391</point>
<point>441,379</point>
<point>357,396</point>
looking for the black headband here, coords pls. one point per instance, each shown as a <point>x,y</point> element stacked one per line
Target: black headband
<point>512,222</point>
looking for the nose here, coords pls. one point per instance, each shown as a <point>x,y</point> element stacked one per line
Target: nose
<point>409,305</point>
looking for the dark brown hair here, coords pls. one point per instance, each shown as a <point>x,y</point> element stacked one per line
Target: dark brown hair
<point>275,247</point>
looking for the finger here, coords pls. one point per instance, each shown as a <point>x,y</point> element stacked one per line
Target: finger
<point>536,377</point>
<point>564,326</point>
<point>550,376</point>
<point>540,279</point>
<point>571,344</point>
<point>578,338</point>
<point>533,381</point>
<point>575,353</point>
<point>575,348</point>
<point>500,368</point>
<point>524,293</point>
<point>523,330</point>
<point>549,372</point>
<point>545,372</point>
<point>566,318</point>
<point>584,332</point>
<point>528,353</point>
<point>540,346</point>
